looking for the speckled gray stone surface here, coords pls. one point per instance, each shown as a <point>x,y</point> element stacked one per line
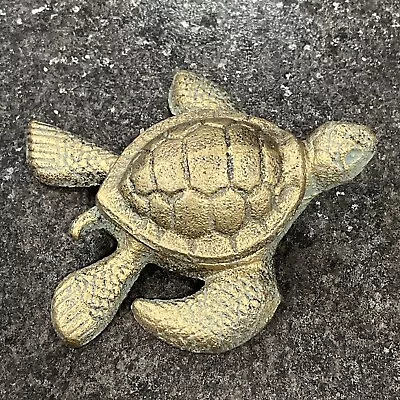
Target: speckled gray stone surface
<point>102,70</point>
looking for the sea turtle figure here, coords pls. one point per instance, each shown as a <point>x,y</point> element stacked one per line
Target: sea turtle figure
<point>209,193</point>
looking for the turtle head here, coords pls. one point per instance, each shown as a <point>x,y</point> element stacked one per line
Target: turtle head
<point>337,152</point>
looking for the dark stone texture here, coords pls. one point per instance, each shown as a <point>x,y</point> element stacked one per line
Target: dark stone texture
<point>102,69</point>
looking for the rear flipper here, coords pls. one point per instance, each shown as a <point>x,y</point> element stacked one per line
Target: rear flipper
<point>87,300</point>
<point>232,307</point>
<point>61,159</point>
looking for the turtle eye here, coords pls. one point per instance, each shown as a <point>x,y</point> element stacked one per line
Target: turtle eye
<point>353,156</point>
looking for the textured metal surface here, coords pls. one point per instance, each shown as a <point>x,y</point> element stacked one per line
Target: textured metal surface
<point>102,71</point>
<point>61,159</point>
<point>240,294</point>
<point>193,91</point>
<point>86,301</point>
<point>233,306</point>
<point>225,156</point>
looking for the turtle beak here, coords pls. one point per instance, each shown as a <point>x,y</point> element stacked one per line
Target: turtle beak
<point>359,145</point>
<point>339,151</point>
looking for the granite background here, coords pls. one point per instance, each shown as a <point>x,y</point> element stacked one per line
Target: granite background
<point>102,69</point>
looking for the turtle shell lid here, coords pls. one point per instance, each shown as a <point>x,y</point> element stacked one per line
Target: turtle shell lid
<point>209,187</point>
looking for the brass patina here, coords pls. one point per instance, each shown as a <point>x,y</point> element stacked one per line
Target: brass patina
<point>209,193</point>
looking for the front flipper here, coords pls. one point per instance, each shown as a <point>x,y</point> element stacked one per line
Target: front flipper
<point>232,307</point>
<point>61,159</point>
<point>87,300</point>
<point>190,93</point>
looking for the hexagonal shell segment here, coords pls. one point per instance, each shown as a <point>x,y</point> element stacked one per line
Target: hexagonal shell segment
<point>229,211</point>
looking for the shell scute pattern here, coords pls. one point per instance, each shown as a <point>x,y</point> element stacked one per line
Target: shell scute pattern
<point>192,214</point>
<point>206,156</point>
<point>168,161</point>
<point>142,174</point>
<point>208,181</point>
<point>160,210</point>
<point>230,211</point>
<point>244,152</point>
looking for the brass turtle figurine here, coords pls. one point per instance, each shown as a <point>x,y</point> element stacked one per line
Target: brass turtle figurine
<point>209,193</point>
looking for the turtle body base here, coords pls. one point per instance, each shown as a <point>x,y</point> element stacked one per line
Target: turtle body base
<point>208,193</point>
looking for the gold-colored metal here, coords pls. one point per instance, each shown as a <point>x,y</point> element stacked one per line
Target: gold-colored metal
<point>208,193</point>
<point>58,158</point>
